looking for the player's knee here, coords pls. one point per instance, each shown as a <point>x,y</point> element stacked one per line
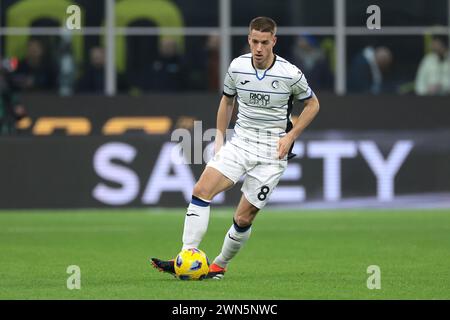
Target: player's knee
<point>244,220</point>
<point>202,192</point>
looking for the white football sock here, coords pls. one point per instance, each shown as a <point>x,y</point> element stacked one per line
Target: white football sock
<point>234,240</point>
<point>195,223</point>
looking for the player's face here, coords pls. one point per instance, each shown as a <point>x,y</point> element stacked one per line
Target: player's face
<point>261,46</point>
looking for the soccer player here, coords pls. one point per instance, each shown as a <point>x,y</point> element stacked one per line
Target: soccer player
<point>265,86</point>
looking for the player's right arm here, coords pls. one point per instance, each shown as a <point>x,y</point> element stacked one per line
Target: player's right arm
<point>223,120</point>
<point>225,107</point>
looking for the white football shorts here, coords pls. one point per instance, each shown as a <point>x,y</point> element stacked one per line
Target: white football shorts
<point>261,174</point>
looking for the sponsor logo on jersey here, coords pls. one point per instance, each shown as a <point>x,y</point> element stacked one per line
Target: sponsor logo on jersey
<point>259,99</point>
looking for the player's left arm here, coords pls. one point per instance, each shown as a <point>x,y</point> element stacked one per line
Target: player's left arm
<point>304,119</point>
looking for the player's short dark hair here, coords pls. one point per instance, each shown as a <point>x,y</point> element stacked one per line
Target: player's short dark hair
<point>263,24</point>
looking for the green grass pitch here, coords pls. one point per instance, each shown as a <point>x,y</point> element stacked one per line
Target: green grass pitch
<point>290,255</point>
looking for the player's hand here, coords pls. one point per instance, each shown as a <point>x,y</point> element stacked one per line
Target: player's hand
<point>284,144</point>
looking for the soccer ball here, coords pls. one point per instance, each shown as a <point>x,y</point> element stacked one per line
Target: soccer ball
<point>191,264</point>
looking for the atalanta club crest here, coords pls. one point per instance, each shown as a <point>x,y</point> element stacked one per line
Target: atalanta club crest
<point>275,84</point>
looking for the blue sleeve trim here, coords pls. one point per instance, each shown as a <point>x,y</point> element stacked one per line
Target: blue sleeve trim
<point>309,97</point>
<point>228,95</point>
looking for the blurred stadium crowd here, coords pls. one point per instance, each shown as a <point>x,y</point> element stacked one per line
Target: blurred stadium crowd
<point>416,64</point>
<point>45,70</point>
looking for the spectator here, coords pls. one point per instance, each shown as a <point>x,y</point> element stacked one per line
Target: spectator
<point>213,62</point>
<point>164,74</point>
<point>93,78</point>
<point>310,58</point>
<point>67,68</point>
<point>167,69</point>
<point>35,70</point>
<point>202,73</point>
<point>367,70</point>
<point>11,110</point>
<point>433,75</point>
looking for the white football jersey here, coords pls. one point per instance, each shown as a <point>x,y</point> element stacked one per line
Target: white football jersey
<point>265,99</point>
